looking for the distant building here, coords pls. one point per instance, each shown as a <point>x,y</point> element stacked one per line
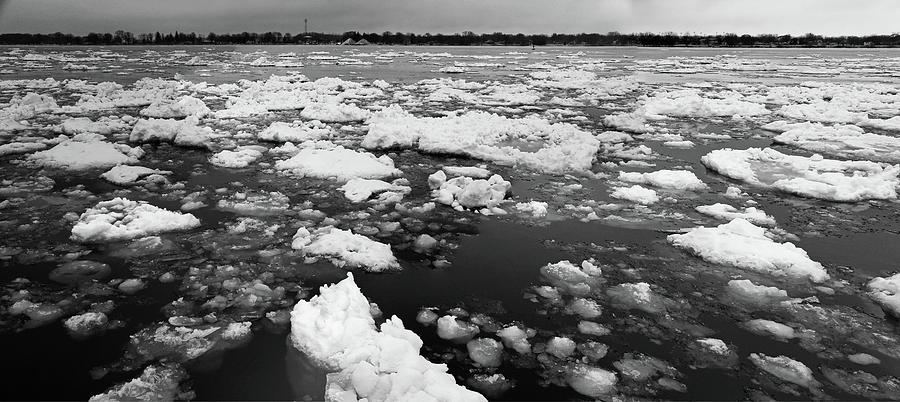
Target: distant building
<point>348,42</point>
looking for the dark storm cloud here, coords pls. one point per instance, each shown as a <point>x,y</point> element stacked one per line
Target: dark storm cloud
<point>527,16</point>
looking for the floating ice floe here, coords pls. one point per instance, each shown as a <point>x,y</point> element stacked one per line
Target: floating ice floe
<point>182,107</point>
<point>182,344</point>
<point>346,249</point>
<point>296,132</point>
<point>843,141</point>
<point>10,125</point>
<point>742,244</point>
<point>86,151</point>
<point>747,291</point>
<point>786,369</point>
<point>338,163</point>
<point>771,328</point>
<point>455,329</point>
<point>105,126</point>
<point>531,141</point>
<point>122,219</point>
<point>124,175</point>
<point>334,112</point>
<point>516,339</point>
<point>636,194</point>
<point>83,325</point>
<point>689,103</point>
<point>185,132</point>
<point>886,292</point>
<point>814,177</point>
<point>591,381</point>
<point>826,112</point>
<point>358,190</point>
<point>240,158</point>
<point>485,352</point>
<point>28,106</point>
<point>891,124</point>
<point>670,179</point>
<point>637,296</point>
<point>467,192</point>
<point>256,203</point>
<point>537,209</point>
<point>13,148</point>
<point>156,383</point>
<point>727,212</point>
<point>336,329</point>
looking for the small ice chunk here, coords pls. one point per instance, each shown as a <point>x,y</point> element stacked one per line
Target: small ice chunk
<point>86,151</point>
<point>786,369</point>
<point>86,324</point>
<point>124,174</point>
<point>131,286</point>
<point>638,296</point>
<point>774,329</point>
<point>358,190</point>
<point>727,213</point>
<point>591,381</point>
<point>561,347</point>
<point>592,328</point>
<point>468,171</point>
<point>485,351</point>
<point>636,194</point>
<point>715,345</point>
<point>424,243</point>
<point>745,290</point>
<point>863,359</point>
<point>451,328</point>
<point>426,317</point>
<point>537,209</point>
<point>515,338</point>
<point>235,159</point>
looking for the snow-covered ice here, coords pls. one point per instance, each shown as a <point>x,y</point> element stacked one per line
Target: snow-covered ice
<point>337,330</point>
<point>346,249</point>
<point>744,245</point>
<point>123,219</point>
<point>814,176</point>
<point>338,163</point>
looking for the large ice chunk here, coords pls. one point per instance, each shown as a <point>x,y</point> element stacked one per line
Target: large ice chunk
<point>744,245</point>
<point>338,163</point>
<point>86,151</point>
<point>843,141</point>
<point>336,330</point>
<point>886,291</point>
<point>530,141</point>
<point>346,249</point>
<point>123,219</point>
<point>813,177</point>
<point>673,179</point>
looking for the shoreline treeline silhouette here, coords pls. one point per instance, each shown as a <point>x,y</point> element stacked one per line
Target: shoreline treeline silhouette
<point>457,39</point>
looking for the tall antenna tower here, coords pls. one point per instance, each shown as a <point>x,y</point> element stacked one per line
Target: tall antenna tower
<point>305,31</point>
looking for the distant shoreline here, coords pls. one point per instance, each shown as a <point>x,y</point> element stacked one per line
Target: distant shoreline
<point>526,47</point>
<point>353,38</point>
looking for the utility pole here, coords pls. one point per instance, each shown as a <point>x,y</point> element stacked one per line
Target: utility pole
<point>305,31</point>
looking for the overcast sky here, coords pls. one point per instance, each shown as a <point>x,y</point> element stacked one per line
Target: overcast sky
<point>829,17</point>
